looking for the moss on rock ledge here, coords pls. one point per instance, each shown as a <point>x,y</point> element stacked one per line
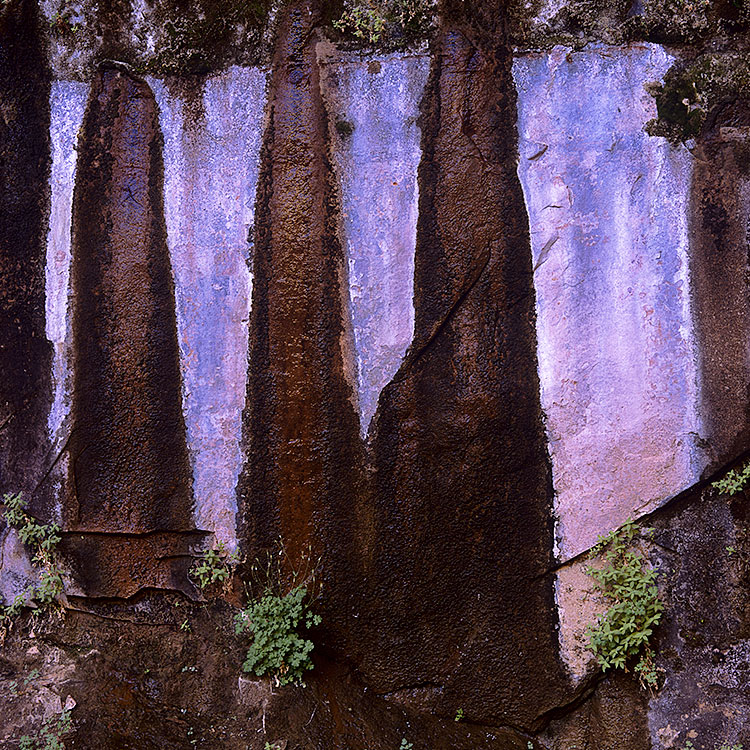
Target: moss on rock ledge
<point>695,95</point>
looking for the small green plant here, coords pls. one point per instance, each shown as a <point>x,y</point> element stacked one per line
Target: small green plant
<point>50,736</point>
<point>42,539</point>
<point>413,16</point>
<point>62,21</point>
<point>279,648</point>
<point>405,745</point>
<point>459,715</point>
<point>373,20</point>
<point>623,632</point>
<point>215,566</point>
<point>364,22</point>
<point>727,746</point>
<point>734,481</point>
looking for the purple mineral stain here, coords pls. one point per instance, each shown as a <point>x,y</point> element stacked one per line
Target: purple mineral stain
<point>608,217</point>
<point>212,137</point>
<point>373,105</point>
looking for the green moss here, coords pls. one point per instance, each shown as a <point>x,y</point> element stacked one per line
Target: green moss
<point>385,24</point>
<point>581,22</point>
<point>676,20</point>
<point>691,95</point>
<point>205,35</point>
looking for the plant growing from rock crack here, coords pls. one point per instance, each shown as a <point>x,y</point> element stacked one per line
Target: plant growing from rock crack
<point>42,539</point>
<point>279,616</point>
<point>734,481</point>
<point>363,22</point>
<point>370,20</point>
<point>214,566</point>
<point>50,736</point>
<point>279,648</point>
<point>623,632</point>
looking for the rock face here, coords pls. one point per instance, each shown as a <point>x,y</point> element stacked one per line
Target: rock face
<point>212,133</point>
<point>427,319</point>
<point>126,388</point>
<point>25,353</point>
<point>300,424</point>
<point>373,107</point>
<point>608,207</point>
<point>460,467</point>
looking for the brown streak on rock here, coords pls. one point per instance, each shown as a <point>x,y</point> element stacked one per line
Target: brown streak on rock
<point>25,353</point>
<point>721,306</point>
<point>300,426</point>
<point>462,483</point>
<point>130,465</point>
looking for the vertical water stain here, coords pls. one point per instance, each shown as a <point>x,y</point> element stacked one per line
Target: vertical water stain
<point>300,427</point>
<point>129,461</point>
<point>461,606</point>
<point>25,353</point>
<point>720,235</point>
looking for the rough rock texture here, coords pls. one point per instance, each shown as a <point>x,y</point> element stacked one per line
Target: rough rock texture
<point>373,107</point>
<point>610,717</point>
<point>608,207</point>
<point>719,265</point>
<point>165,412</point>
<point>212,135</point>
<point>160,674</point>
<point>25,354</point>
<point>301,428</point>
<point>129,469</point>
<point>702,548</point>
<point>462,530</point>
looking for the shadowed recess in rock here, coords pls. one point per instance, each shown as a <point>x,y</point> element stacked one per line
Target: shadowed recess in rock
<point>25,353</point>
<point>129,463</point>
<point>212,135</point>
<point>459,602</point>
<point>300,426</point>
<point>720,232</point>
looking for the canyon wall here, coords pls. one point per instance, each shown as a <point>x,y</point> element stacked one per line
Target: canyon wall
<point>434,312</point>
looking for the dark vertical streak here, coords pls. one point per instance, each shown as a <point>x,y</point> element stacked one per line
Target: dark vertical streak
<point>25,353</point>
<point>129,461</point>
<point>301,430</point>
<point>463,482</point>
<point>719,270</point>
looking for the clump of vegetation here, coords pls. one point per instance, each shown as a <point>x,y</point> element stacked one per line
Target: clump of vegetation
<point>622,634</point>
<point>50,736</point>
<point>386,21</point>
<point>676,20</point>
<point>214,566</point>
<point>280,648</point>
<point>362,22</point>
<point>734,481</point>
<point>692,96</point>
<point>279,616</point>
<point>41,539</point>
<point>62,22</point>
